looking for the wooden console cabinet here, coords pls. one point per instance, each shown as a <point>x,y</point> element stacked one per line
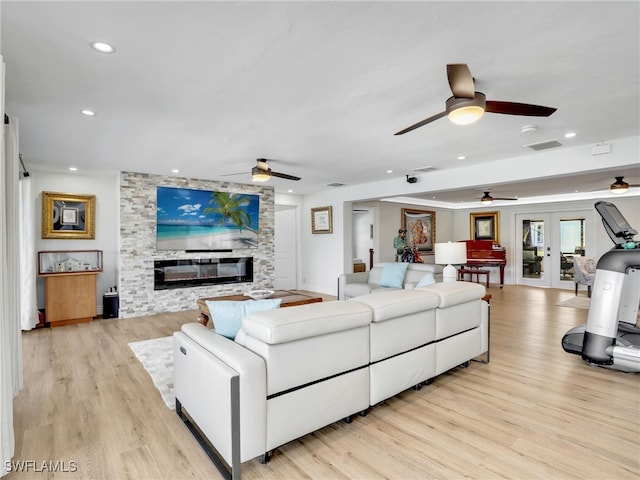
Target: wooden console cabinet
<point>70,284</point>
<point>70,298</point>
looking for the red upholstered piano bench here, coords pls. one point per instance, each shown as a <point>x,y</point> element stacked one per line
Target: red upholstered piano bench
<point>471,271</point>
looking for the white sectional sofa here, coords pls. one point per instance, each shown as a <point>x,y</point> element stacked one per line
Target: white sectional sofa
<point>352,285</point>
<point>294,370</point>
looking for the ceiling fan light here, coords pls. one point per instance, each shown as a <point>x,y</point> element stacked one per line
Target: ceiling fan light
<point>619,186</point>
<point>259,175</point>
<point>486,199</point>
<point>466,115</point>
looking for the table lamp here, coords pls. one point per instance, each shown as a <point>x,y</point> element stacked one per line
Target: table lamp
<point>448,254</point>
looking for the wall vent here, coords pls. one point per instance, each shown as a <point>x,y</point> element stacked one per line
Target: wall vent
<point>424,169</point>
<point>335,184</point>
<point>544,145</point>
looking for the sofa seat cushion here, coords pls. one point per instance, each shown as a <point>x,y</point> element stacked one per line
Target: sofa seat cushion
<point>397,303</point>
<point>303,321</point>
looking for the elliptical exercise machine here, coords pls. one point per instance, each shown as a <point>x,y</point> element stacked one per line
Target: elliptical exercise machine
<point>611,339</point>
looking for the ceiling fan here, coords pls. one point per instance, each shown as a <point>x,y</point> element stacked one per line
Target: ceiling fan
<point>262,172</point>
<point>466,105</point>
<point>620,186</point>
<point>488,199</point>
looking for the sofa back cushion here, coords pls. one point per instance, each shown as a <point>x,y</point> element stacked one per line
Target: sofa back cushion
<point>417,271</point>
<point>303,321</point>
<point>428,279</point>
<point>460,306</point>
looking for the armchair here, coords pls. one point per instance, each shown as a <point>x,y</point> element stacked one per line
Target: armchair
<point>566,266</point>
<point>584,271</point>
<point>531,262</point>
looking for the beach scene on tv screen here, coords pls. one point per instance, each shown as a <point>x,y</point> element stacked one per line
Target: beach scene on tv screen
<point>189,219</point>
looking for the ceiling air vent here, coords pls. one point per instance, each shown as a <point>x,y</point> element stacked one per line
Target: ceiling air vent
<point>424,169</point>
<point>335,184</point>
<point>544,145</point>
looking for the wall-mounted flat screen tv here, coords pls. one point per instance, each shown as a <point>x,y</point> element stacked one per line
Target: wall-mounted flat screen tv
<point>203,220</point>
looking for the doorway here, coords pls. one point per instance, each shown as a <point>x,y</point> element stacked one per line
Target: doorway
<point>286,249</point>
<point>544,256</point>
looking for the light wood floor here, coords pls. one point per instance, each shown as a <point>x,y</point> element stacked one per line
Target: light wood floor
<point>533,412</point>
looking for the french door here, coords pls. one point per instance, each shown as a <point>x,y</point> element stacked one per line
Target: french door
<point>548,243</point>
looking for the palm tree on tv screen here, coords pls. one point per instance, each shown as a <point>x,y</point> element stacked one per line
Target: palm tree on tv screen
<point>230,206</point>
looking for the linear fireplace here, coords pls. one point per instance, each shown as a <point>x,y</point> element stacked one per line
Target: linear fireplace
<point>197,272</point>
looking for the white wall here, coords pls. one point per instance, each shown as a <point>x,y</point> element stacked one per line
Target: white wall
<point>105,186</point>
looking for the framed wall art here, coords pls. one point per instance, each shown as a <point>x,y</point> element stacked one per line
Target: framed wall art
<point>485,226</point>
<point>68,216</point>
<point>321,220</point>
<point>421,228</point>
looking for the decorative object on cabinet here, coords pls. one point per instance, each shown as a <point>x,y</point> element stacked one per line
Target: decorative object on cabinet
<point>485,226</point>
<point>68,216</point>
<point>421,228</point>
<point>55,262</point>
<point>70,285</point>
<point>321,220</point>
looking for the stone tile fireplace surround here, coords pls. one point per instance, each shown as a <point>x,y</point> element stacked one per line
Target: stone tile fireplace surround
<point>138,246</point>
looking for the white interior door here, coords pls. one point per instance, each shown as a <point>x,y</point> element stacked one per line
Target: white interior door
<point>286,251</point>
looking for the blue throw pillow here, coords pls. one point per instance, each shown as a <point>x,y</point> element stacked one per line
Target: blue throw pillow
<point>393,274</point>
<point>227,315</point>
<point>426,280</point>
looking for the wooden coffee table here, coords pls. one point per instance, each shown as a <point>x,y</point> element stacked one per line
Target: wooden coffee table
<point>289,299</point>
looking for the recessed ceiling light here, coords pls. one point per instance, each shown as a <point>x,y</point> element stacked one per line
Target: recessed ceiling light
<point>102,47</point>
<point>289,191</point>
<point>461,157</point>
<point>88,113</point>
<point>73,169</point>
<point>569,134</point>
<point>175,170</point>
<point>389,171</point>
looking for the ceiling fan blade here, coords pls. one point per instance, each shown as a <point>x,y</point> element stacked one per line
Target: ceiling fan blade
<point>232,174</point>
<point>422,123</point>
<point>284,175</point>
<point>460,80</point>
<point>513,108</point>
<point>499,198</point>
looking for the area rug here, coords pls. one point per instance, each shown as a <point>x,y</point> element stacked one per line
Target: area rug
<point>156,356</point>
<point>576,302</point>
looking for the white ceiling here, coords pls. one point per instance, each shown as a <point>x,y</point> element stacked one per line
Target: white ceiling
<point>208,87</point>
